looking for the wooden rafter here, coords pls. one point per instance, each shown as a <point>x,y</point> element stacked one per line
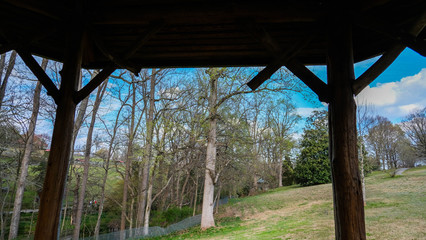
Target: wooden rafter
<point>286,58</point>
<point>94,83</point>
<point>39,7</point>
<point>310,79</point>
<point>122,61</point>
<point>377,68</point>
<point>39,73</point>
<point>405,39</point>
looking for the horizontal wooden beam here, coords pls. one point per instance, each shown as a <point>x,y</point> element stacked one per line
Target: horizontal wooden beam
<point>377,68</point>
<point>47,10</point>
<point>94,83</point>
<point>40,74</point>
<point>284,11</point>
<point>310,79</point>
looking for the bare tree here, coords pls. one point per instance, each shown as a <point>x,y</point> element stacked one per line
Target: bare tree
<point>235,86</point>
<point>364,121</point>
<point>111,145</point>
<point>415,128</point>
<point>87,153</point>
<point>7,71</point>
<point>29,138</point>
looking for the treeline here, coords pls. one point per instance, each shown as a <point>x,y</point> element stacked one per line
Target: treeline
<point>148,144</point>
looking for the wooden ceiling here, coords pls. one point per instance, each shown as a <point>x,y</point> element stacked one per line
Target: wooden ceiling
<point>193,33</point>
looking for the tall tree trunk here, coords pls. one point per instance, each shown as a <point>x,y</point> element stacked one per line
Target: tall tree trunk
<point>99,96</point>
<point>207,219</point>
<point>129,160</point>
<point>148,152</point>
<point>149,143</point>
<point>14,223</point>
<point>12,60</point>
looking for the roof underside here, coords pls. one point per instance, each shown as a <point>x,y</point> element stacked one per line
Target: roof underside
<point>198,33</point>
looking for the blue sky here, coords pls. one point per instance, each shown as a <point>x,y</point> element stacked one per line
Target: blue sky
<point>395,93</point>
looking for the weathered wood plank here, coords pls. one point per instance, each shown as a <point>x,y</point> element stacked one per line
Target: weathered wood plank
<point>347,190</point>
<point>310,79</point>
<point>376,69</point>
<point>57,168</point>
<point>40,74</point>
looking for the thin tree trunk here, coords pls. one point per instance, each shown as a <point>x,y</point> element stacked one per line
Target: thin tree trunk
<point>12,60</point>
<point>99,96</point>
<point>128,165</point>
<point>75,200</point>
<point>148,149</point>
<point>182,193</point>
<point>148,209</point>
<point>280,171</point>
<point>207,219</point>
<point>102,200</point>
<point>361,172</point>
<point>150,132</point>
<point>14,223</point>
<point>196,194</point>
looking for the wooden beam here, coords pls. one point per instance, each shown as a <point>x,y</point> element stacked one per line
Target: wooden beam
<point>122,61</point>
<point>281,57</point>
<point>347,191</point>
<point>58,161</point>
<point>143,39</point>
<point>40,74</point>
<point>377,68</point>
<point>94,83</point>
<point>113,58</point>
<point>310,79</point>
<point>227,11</point>
<point>264,75</point>
<point>48,10</point>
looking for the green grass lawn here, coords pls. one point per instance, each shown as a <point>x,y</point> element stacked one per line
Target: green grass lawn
<point>396,209</point>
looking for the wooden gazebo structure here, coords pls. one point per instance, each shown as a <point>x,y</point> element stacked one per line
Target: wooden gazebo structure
<point>135,34</point>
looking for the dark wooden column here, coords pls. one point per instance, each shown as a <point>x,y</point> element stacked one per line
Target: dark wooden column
<point>347,191</point>
<point>54,183</point>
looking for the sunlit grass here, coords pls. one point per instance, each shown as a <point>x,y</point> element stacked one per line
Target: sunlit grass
<point>396,209</point>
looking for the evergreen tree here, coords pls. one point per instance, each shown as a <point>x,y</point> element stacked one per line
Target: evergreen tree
<point>313,165</point>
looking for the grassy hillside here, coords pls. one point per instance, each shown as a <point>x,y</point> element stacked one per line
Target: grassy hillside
<point>396,209</point>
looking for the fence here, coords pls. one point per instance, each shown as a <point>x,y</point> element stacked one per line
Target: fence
<point>138,233</point>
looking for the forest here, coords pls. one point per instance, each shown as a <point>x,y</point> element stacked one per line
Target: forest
<point>155,148</point>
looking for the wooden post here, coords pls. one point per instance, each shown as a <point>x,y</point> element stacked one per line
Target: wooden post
<point>347,191</point>
<point>54,182</point>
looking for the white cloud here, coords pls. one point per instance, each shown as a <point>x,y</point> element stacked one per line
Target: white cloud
<point>306,112</point>
<point>396,99</point>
